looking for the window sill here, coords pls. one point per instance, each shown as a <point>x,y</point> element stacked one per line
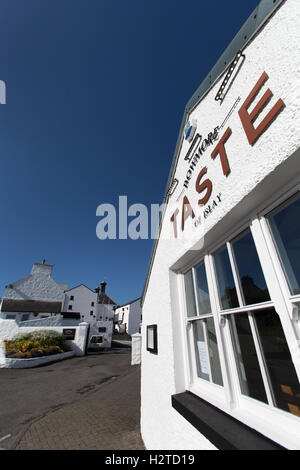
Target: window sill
<point>221,429</point>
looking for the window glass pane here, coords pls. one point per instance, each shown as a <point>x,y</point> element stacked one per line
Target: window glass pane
<point>285,226</point>
<point>215,365</point>
<point>190,294</point>
<point>201,350</point>
<point>206,350</point>
<point>247,362</point>
<point>227,291</point>
<point>202,290</point>
<point>252,280</point>
<point>280,368</point>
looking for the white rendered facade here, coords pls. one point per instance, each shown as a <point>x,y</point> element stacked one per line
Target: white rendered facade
<point>128,317</point>
<point>83,300</point>
<point>100,335</point>
<point>38,286</point>
<point>243,193</point>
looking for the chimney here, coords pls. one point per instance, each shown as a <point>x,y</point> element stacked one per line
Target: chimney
<point>103,285</point>
<point>41,269</point>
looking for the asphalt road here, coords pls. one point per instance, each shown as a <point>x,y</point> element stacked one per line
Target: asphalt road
<point>26,395</point>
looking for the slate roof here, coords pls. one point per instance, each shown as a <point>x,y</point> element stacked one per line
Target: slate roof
<point>21,305</point>
<point>104,299</point>
<point>128,303</point>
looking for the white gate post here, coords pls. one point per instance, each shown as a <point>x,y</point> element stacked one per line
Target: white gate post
<point>81,338</point>
<point>136,349</point>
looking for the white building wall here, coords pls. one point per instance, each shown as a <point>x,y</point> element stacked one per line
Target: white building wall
<point>129,317</point>
<point>121,316</point>
<point>105,312</point>
<point>276,51</point>
<point>135,317</point>
<point>107,335</point>
<point>82,303</point>
<point>37,286</point>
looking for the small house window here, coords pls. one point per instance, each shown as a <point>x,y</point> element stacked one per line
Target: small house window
<point>92,304</point>
<point>72,297</point>
<point>70,307</point>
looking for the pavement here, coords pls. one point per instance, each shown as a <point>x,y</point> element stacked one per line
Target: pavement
<point>82,403</point>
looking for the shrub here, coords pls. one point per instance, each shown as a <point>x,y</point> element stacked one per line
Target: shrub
<point>36,344</point>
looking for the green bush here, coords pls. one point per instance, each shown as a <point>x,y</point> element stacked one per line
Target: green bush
<point>36,344</point>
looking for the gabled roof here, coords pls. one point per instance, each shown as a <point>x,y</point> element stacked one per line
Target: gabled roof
<point>128,303</point>
<point>80,286</point>
<point>104,299</point>
<point>11,285</point>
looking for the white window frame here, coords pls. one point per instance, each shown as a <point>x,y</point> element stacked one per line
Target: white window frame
<point>278,425</point>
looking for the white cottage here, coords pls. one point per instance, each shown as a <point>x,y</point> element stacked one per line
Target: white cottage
<point>221,337</point>
<point>34,296</point>
<point>92,306</point>
<point>128,317</point>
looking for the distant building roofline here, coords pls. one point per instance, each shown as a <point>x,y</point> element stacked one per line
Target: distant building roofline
<point>128,303</point>
<point>79,285</point>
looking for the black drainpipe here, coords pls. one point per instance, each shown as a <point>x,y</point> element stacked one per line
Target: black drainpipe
<point>87,340</point>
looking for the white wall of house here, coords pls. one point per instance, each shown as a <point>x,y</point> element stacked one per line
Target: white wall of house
<point>252,181</point>
<point>105,312</point>
<point>104,329</point>
<point>39,285</point>
<point>129,317</point>
<point>121,317</point>
<point>135,317</point>
<point>85,301</point>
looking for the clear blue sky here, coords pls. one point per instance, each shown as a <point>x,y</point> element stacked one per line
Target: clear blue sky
<point>96,91</point>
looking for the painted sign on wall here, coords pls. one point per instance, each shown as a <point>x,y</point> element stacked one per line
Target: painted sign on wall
<point>204,184</point>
